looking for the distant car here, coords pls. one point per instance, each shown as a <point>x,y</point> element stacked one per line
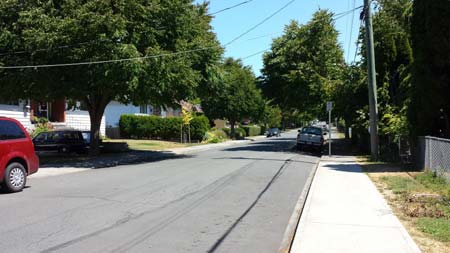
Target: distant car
<point>17,157</point>
<point>311,137</point>
<point>273,132</point>
<point>65,141</point>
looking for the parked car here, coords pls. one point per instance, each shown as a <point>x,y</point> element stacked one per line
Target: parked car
<point>17,157</point>
<point>311,137</point>
<point>273,132</point>
<point>65,141</point>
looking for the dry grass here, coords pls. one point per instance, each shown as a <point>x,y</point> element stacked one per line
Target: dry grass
<point>395,183</point>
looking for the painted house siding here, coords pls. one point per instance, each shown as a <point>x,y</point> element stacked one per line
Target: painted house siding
<point>115,109</point>
<point>80,120</point>
<point>16,112</point>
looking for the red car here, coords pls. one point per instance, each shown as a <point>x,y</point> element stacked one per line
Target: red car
<point>17,156</point>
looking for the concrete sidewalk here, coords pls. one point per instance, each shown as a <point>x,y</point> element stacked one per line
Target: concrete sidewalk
<point>344,212</point>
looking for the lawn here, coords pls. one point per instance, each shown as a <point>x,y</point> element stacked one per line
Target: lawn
<point>152,145</point>
<point>421,201</point>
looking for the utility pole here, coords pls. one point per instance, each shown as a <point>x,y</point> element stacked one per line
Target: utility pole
<point>373,105</point>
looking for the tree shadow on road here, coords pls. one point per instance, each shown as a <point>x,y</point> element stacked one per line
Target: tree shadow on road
<point>49,160</point>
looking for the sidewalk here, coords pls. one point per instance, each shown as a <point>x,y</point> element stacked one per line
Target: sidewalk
<point>344,212</point>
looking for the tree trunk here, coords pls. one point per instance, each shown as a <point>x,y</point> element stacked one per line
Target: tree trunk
<point>232,133</point>
<point>96,107</point>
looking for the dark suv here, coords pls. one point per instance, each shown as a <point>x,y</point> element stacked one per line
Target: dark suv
<point>65,141</point>
<point>17,156</point>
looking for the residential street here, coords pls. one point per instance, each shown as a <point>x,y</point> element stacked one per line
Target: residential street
<point>234,199</point>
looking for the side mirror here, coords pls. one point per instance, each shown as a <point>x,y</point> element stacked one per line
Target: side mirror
<point>299,130</point>
<point>325,133</point>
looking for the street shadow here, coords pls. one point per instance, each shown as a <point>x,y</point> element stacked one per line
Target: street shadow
<point>3,192</point>
<point>267,146</point>
<point>350,167</point>
<point>263,159</point>
<point>105,160</point>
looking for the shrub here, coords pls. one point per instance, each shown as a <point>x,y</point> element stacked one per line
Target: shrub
<point>239,133</point>
<point>41,125</point>
<point>215,136</point>
<point>252,130</point>
<point>154,127</point>
<point>199,126</point>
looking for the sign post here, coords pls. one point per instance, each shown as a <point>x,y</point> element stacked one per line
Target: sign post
<point>329,109</point>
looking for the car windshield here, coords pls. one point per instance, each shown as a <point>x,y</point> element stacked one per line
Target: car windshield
<point>274,130</point>
<point>312,130</point>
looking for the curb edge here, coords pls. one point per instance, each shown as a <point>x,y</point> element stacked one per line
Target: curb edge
<point>291,229</point>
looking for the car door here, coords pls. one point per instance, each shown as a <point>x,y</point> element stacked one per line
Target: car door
<point>40,141</point>
<point>13,138</point>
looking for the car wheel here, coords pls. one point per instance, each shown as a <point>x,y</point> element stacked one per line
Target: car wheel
<point>15,178</point>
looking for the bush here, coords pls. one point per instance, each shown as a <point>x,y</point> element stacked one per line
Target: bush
<point>215,136</point>
<point>41,125</point>
<point>199,126</point>
<point>252,130</point>
<point>239,133</point>
<point>154,127</point>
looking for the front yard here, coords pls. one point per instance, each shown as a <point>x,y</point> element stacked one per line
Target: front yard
<point>151,145</point>
<point>420,200</point>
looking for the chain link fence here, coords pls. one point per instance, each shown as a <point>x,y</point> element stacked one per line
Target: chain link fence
<point>434,154</point>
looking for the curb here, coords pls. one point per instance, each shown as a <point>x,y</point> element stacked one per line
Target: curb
<point>291,229</point>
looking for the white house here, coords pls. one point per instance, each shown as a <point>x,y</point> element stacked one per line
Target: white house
<point>56,112</point>
<point>60,116</point>
<point>115,109</point>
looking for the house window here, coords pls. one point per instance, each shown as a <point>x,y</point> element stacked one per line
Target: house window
<point>143,109</point>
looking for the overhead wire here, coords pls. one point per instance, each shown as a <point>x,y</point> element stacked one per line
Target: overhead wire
<point>231,7</point>
<point>351,30</point>
<point>340,15</point>
<point>260,23</point>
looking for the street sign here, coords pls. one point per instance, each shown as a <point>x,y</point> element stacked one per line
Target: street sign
<point>329,106</point>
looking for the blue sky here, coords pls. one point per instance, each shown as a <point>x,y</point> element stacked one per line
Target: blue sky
<point>231,23</point>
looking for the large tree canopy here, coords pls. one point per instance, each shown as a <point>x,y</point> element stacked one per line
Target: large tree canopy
<point>40,32</point>
<point>303,65</point>
<point>233,94</point>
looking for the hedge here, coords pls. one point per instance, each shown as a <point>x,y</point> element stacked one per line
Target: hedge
<point>252,130</point>
<point>154,127</point>
<point>239,133</point>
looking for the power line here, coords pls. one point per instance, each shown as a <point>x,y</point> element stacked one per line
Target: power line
<point>351,30</point>
<point>340,15</point>
<point>231,7</point>
<point>255,54</point>
<point>260,23</point>
<point>105,61</point>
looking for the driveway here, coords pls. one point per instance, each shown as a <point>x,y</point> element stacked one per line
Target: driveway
<point>228,199</point>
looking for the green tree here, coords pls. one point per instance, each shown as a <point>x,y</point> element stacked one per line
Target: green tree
<point>272,116</point>
<point>68,31</point>
<point>234,95</point>
<point>430,32</point>
<point>303,65</point>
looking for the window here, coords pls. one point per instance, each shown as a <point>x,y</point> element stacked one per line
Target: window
<point>71,136</point>
<point>10,131</point>
<point>143,109</point>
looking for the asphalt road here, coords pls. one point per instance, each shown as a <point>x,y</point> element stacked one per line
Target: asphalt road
<point>235,199</point>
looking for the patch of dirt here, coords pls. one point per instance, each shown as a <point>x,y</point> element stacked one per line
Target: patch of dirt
<point>409,208</point>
